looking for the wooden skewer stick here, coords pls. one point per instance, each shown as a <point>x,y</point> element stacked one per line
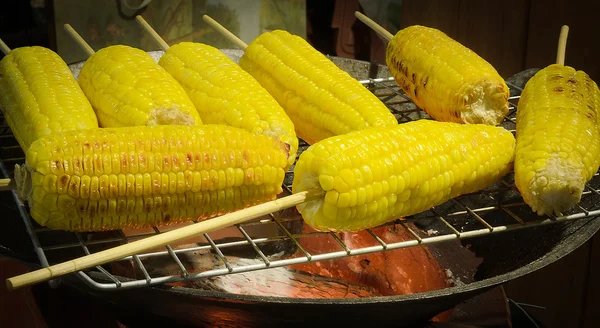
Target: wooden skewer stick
<point>79,40</point>
<point>161,42</point>
<point>376,27</point>
<point>7,184</point>
<point>225,32</point>
<point>4,48</point>
<point>162,239</point>
<point>562,45</point>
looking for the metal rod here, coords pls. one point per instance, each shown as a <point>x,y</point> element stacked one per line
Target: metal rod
<point>379,240</point>
<point>173,255</point>
<point>139,263</point>
<point>99,268</point>
<point>340,242</point>
<point>414,234</point>
<point>219,253</point>
<point>254,246</point>
<point>441,218</point>
<point>513,215</point>
<point>177,260</point>
<point>475,215</point>
<point>289,235</point>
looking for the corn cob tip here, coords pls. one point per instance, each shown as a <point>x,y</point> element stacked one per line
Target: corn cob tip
<point>22,176</point>
<point>556,188</point>
<point>172,115</point>
<point>484,102</point>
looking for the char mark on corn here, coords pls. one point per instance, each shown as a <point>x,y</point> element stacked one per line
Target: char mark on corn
<point>558,138</point>
<point>115,178</point>
<point>446,79</point>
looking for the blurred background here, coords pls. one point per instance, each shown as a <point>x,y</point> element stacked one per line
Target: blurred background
<point>512,35</point>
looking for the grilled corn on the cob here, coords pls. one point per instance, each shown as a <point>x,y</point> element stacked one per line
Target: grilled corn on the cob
<point>223,93</point>
<point>111,178</point>
<point>40,96</point>
<point>446,79</point>
<point>558,138</point>
<point>376,175</point>
<point>128,88</point>
<point>321,99</point>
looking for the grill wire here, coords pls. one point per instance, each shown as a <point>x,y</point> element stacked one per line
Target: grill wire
<point>460,218</point>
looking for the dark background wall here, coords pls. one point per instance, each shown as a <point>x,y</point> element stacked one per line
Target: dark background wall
<point>512,35</point>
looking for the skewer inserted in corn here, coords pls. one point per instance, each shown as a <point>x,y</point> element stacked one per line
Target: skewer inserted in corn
<point>39,95</point>
<point>321,99</point>
<point>224,93</point>
<point>112,178</point>
<point>446,79</point>
<point>558,138</point>
<point>127,87</point>
<point>373,176</point>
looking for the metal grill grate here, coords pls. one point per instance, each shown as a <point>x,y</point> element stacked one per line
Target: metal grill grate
<point>496,209</point>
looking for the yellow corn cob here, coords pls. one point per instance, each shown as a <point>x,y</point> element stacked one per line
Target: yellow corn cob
<point>112,178</point>
<point>446,79</point>
<point>321,99</point>
<point>558,138</point>
<point>128,88</point>
<point>373,176</point>
<point>223,93</point>
<point>40,96</point>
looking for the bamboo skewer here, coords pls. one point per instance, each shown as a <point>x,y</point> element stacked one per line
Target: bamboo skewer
<point>161,42</point>
<point>165,238</point>
<point>562,45</point>
<point>7,184</point>
<point>4,48</point>
<point>225,32</point>
<point>376,27</point>
<point>158,240</point>
<point>79,40</point>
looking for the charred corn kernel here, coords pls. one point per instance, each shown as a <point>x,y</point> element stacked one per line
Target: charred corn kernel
<point>321,99</point>
<point>223,93</point>
<point>40,96</point>
<point>412,179</point>
<point>558,138</point>
<point>193,181</point>
<point>126,87</point>
<point>446,79</point>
